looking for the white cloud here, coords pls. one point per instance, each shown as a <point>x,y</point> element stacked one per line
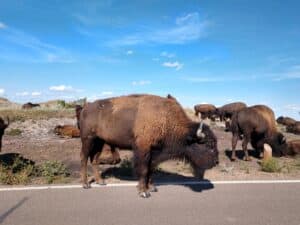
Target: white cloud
<point>106,93</point>
<point>2,25</point>
<point>36,93</point>
<point>292,107</point>
<point>185,29</point>
<point>175,65</point>
<point>167,54</point>
<point>61,88</point>
<point>2,91</point>
<point>25,93</point>
<point>141,82</point>
<point>129,52</point>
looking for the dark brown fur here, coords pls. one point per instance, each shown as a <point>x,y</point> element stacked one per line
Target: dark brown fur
<point>226,111</point>
<point>293,147</point>
<point>3,126</point>
<point>257,125</point>
<point>206,111</point>
<point>294,128</point>
<point>287,121</point>
<point>156,128</point>
<point>30,105</point>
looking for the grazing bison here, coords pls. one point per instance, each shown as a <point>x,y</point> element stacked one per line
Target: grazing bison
<point>226,111</point>
<point>294,128</point>
<point>257,125</point>
<point>155,128</point>
<point>293,147</point>
<point>206,111</point>
<point>30,105</point>
<point>3,126</point>
<point>287,121</point>
<point>67,131</point>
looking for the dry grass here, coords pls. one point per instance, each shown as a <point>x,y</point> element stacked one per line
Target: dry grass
<point>36,114</point>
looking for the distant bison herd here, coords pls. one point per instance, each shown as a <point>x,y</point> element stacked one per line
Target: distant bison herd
<point>157,129</point>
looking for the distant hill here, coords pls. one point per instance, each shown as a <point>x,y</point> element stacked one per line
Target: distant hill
<point>5,103</point>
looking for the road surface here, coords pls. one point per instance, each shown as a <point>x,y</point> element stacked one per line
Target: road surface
<point>215,204</point>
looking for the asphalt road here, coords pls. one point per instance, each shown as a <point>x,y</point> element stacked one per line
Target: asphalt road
<point>218,204</point>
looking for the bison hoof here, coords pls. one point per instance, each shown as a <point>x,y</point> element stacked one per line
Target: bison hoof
<point>86,186</point>
<point>145,194</point>
<point>232,159</point>
<point>248,158</point>
<point>153,189</point>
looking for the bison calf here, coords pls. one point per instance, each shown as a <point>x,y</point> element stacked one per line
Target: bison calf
<point>67,131</point>
<point>155,128</point>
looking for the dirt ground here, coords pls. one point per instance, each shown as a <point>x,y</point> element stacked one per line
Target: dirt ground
<point>38,143</point>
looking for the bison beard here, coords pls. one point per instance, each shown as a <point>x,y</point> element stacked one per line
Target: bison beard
<point>156,128</point>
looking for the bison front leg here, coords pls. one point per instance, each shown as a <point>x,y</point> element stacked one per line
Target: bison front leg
<point>84,158</point>
<point>244,145</point>
<point>94,157</point>
<point>141,164</point>
<point>234,141</point>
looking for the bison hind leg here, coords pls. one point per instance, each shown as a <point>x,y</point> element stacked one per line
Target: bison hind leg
<point>95,153</point>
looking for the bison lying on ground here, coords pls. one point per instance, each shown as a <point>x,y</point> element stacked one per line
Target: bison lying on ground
<point>155,128</point>
<point>3,126</point>
<point>30,105</point>
<point>206,111</point>
<point>294,128</point>
<point>67,131</point>
<point>287,121</point>
<point>293,147</point>
<point>257,124</point>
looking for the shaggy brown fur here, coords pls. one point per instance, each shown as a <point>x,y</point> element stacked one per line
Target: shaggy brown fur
<point>206,111</point>
<point>257,124</point>
<point>294,128</point>
<point>155,128</point>
<point>293,147</point>
<point>67,131</point>
<point>226,111</point>
<point>30,105</point>
<point>3,126</point>
<point>287,121</point>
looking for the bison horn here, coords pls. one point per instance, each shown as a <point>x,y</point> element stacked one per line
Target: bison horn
<point>199,131</point>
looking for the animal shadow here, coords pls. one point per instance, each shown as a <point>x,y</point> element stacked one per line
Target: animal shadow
<point>15,160</point>
<point>161,178</point>
<point>240,154</point>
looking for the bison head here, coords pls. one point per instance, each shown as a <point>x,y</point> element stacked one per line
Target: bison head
<point>3,126</point>
<point>278,144</point>
<point>203,154</point>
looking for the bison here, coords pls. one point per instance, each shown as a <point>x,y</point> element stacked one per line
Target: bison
<point>293,147</point>
<point>78,109</point>
<point>3,126</point>
<point>155,128</point>
<point>257,125</point>
<point>67,131</point>
<point>287,121</point>
<point>30,105</point>
<point>206,111</point>
<point>226,111</point>
<point>294,128</point>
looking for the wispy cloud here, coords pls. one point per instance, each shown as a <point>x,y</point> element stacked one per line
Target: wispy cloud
<point>64,88</point>
<point>37,50</point>
<point>167,55</point>
<point>129,52</point>
<point>175,65</point>
<point>293,72</point>
<point>2,25</point>
<point>2,91</point>
<point>141,82</point>
<point>26,93</point>
<point>187,28</point>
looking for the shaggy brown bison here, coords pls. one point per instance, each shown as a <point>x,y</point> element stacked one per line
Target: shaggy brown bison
<point>30,105</point>
<point>294,128</point>
<point>293,147</point>
<point>3,126</point>
<point>257,125</point>
<point>287,121</point>
<point>155,128</point>
<point>226,111</point>
<point>206,111</point>
<point>67,131</point>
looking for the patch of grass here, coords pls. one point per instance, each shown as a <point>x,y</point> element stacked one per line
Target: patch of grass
<point>245,168</point>
<point>270,165</point>
<point>14,132</point>
<point>52,170</point>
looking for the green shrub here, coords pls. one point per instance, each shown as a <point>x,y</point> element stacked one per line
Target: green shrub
<point>52,170</point>
<point>270,165</point>
<point>14,132</point>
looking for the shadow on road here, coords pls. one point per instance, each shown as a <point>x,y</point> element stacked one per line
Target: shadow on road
<point>162,178</point>
<point>12,209</point>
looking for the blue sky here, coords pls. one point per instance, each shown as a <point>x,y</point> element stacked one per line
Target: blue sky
<point>199,51</point>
